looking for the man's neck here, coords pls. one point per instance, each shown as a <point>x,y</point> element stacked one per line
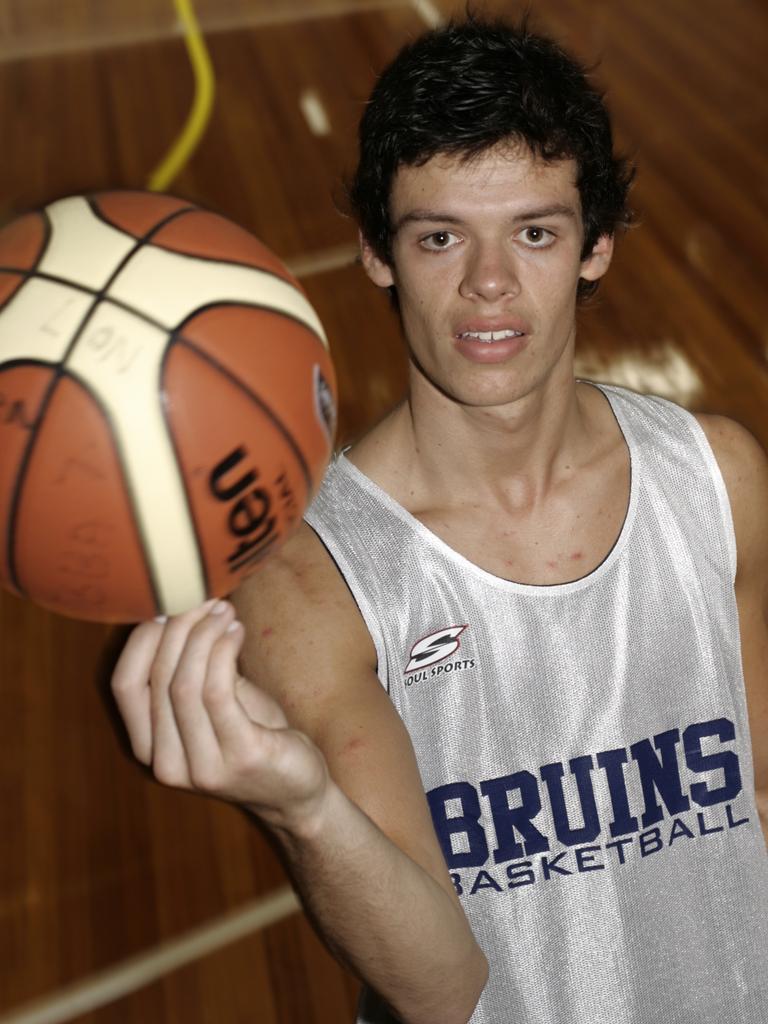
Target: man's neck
<point>432,451</point>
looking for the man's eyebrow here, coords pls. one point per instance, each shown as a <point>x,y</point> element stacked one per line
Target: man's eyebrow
<point>425,217</point>
<point>437,217</point>
<point>540,212</point>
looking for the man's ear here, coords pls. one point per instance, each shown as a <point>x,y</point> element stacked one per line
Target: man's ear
<point>598,261</point>
<point>378,271</point>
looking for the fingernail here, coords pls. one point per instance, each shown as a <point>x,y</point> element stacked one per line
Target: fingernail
<point>233,626</point>
<point>219,608</point>
<point>161,618</point>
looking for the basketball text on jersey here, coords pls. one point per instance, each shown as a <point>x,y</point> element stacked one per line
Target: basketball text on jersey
<point>597,812</point>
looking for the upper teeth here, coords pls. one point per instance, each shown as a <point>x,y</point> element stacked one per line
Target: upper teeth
<point>491,335</point>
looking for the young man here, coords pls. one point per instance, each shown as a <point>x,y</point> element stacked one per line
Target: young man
<point>528,596</point>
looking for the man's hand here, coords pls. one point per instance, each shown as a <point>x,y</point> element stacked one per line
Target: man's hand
<point>200,725</point>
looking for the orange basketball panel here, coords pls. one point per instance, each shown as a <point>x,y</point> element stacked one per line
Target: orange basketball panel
<point>9,285</point>
<point>22,242</point>
<point>275,357</point>
<point>201,233</point>
<point>244,482</point>
<point>136,213</point>
<point>22,390</point>
<point>76,546</point>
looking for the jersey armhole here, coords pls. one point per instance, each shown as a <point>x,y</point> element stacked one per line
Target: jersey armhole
<point>719,484</point>
<point>363,604</point>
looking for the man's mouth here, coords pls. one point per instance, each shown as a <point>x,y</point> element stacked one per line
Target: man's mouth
<point>489,336</point>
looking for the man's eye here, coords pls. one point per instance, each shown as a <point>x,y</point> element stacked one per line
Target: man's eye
<point>439,240</point>
<point>537,238</point>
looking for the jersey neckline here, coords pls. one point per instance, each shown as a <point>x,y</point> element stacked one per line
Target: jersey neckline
<point>611,394</point>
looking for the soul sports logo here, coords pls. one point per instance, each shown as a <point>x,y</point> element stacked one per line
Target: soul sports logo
<point>624,802</point>
<point>430,650</point>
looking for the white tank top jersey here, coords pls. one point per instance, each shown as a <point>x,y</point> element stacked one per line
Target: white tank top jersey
<point>584,747</point>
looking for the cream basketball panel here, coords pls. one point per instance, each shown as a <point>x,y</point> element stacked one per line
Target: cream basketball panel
<point>119,356</point>
<point>40,321</point>
<point>169,287</point>
<point>83,248</point>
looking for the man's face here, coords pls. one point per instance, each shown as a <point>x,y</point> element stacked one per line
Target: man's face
<point>486,258</point>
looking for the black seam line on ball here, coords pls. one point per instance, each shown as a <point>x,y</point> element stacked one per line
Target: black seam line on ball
<point>256,399</point>
<point>45,276</point>
<point>199,257</point>
<point>47,230</point>
<point>263,307</point>
<point>11,364</point>
<point>100,296</point>
<point>46,400</point>
<point>93,197</point>
<point>29,275</point>
<point>93,202</point>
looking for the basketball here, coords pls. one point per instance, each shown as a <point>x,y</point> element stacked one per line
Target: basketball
<point>167,405</point>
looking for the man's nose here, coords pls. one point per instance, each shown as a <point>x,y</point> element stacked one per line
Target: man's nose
<point>491,273</point>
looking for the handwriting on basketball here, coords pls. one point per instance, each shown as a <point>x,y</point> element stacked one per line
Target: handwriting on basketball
<point>81,466</point>
<point>56,325</point>
<point>107,344</point>
<point>14,413</point>
<point>251,523</point>
<point>77,563</point>
<point>287,499</point>
<point>83,561</point>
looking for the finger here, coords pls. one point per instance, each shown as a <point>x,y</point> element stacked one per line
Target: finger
<point>234,728</point>
<point>259,706</point>
<point>169,761</point>
<point>194,726</point>
<point>131,688</point>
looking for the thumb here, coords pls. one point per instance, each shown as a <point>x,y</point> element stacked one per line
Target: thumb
<point>259,706</point>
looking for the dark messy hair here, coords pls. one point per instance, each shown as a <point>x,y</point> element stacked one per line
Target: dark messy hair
<point>466,87</point>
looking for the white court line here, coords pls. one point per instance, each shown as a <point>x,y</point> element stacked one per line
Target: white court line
<point>314,112</point>
<point>322,261</point>
<point>663,369</point>
<point>304,12</point>
<point>106,986</point>
<point>429,14</point>
<point>276,15</point>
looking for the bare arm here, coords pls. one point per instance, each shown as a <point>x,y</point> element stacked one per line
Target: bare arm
<point>339,787</point>
<point>744,466</point>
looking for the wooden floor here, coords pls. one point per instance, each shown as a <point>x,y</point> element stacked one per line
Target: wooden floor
<point>98,863</point>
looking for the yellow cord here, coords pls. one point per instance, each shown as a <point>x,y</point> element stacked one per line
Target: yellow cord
<point>200,113</point>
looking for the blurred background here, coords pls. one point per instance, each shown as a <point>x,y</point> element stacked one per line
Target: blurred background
<point>121,901</point>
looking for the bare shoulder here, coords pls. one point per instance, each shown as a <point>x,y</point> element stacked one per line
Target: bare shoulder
<point>297,610</point>
<point>744,466</point>
<point>732,443</point>
<point>307,645</point>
